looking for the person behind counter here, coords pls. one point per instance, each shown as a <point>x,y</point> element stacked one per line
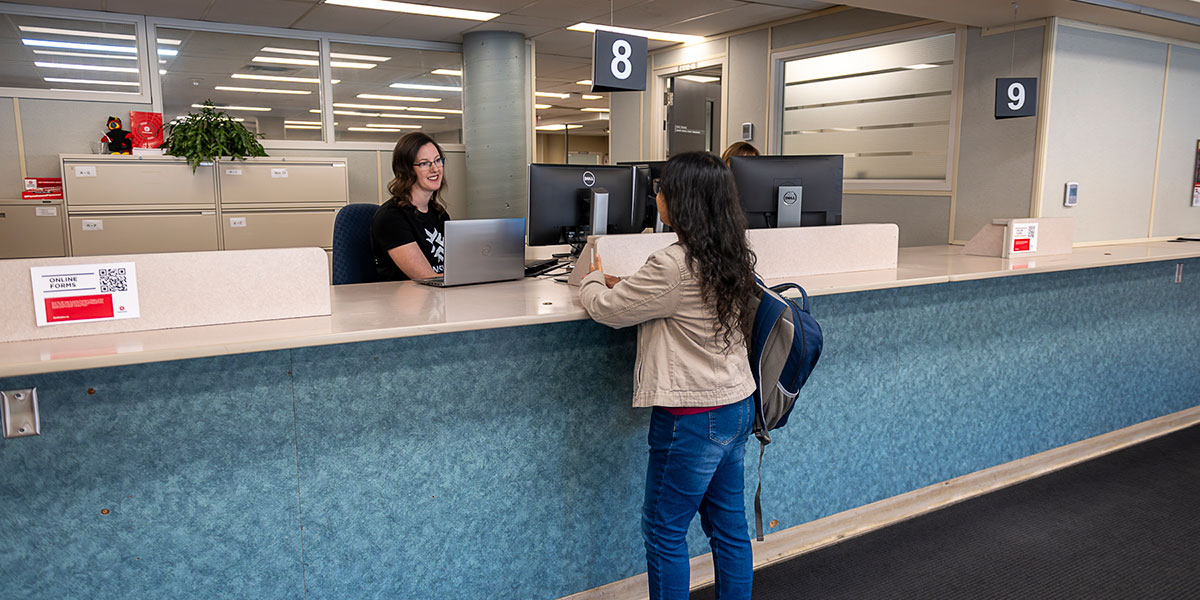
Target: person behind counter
<point>692,303</point>
<point>739,149</point>
<point>409,230</point>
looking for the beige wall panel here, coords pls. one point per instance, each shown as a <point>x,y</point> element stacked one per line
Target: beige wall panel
<point>129,181</point>
<point>24,233</point>
<point>689,54</point>
<point>454,191</point>
<point>53,127</point>
<point>10,163</point>
<point>923,220</point>
<point>626,123</point>
<point>748,86</point>
<point>1105,103</point>
<point>281,229</point>
<point>832,26</point>
<point>143,233</point>
<point>996,156</point>
<point>594,144</point>
<point>273,181</point>
<point>1173,210</point>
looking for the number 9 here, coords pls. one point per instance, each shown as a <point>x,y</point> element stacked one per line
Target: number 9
<point>621,67</point>
<point>1016,93</point>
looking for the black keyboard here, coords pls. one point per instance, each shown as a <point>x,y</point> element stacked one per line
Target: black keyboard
<point>537,266</point>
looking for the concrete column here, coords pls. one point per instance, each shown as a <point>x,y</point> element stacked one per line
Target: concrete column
<point>496,121</point>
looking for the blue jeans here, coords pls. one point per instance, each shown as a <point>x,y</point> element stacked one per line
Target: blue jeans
<point>696,465</point>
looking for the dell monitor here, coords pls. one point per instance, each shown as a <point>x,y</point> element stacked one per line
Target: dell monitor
<point>789,191</point>
<point>647,172</point>
<point>561,199</point>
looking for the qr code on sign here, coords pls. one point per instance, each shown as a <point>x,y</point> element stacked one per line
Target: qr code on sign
<point>113,280</point>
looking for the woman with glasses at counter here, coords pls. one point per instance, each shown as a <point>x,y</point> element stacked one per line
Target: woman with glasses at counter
<point>692,304</point>
<point>409,230</point>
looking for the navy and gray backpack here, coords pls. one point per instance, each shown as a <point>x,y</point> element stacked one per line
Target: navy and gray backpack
<point>785,343</point>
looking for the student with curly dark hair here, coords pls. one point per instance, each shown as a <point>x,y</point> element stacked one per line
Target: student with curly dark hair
<point>693,304</point>
<point>409,231</point>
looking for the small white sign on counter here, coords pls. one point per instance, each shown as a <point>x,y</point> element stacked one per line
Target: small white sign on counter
<point>73,293</point>
<point>1024,238</point>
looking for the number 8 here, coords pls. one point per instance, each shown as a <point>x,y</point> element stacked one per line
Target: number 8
<point>1016,93</point>
<point>621,67</point>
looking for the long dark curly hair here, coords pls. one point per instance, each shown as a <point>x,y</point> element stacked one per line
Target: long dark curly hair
<point>403,157</point>
<point>702,206</point>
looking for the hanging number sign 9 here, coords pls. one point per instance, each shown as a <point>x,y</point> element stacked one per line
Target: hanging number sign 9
<point>618,62</point>
<point>1016,97</point>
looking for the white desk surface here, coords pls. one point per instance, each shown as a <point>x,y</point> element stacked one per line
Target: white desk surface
<point>390,310</point>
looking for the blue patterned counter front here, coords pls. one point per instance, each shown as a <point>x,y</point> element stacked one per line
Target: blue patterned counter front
<point>508,463</point>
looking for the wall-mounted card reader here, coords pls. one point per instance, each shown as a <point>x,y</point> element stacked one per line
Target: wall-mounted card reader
<point>788,205</point>
<point>1071,194</point>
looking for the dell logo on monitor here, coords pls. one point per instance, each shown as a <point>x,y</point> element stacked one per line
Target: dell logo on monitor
<point>589,179</point>
<point>789,198</point>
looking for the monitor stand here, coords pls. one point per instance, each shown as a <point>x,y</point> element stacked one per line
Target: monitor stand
<point>788,204</point>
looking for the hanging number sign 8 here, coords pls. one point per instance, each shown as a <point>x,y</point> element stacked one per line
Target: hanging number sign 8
<point>1016,97</point>
<point>618,62</point>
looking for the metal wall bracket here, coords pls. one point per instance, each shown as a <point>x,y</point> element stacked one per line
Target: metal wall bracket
<point>19,410</point>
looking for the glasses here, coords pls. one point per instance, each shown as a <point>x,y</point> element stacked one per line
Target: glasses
<point>426,164</point>
<point>655,186</point>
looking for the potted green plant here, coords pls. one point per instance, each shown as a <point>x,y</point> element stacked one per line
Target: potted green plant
<point>208,135</point>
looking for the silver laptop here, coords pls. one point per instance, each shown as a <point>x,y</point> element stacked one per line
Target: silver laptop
<point>482,250</point>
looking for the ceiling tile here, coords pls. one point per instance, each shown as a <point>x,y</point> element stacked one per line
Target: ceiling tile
<point>733,19</point>
<point>171,9</point>
<point>575,11</point>
<point>267,13</point>
<point>806,5</point>
<point>660,13</point>
<point>361,21</point>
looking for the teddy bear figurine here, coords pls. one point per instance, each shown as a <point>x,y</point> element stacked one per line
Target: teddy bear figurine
<point>118,139</point>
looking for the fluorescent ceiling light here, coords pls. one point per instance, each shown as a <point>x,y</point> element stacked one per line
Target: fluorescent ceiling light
<point>374,106</point>
<point>91,91</point>
<point>286,126</point>
<point>317,123</point>
<point>558,127</point>
<point>392,126</point>
<point>453,72</point>
<point>396,116</point>
<point>89,81</point>
<point>401,99</point>
<point>921,66</point>
<point>77,33</point>
<point>552,95</point>
<point>541,106</point>
<point>591,97</point>
<point>84,55</point>
<point>79,46</point>
<point>396,129</point>
<point>417,9</point>
<point>420,86</point>
<point>398,98</point>
<point>169,41</point>
<point>256,108</point>
<point>654,35</point>
<point>48,65</point>
<point>584,82</point>
<point>230,88</point>
<point>162,71</point>
<point>331,54</point>
<point>594,109</point>
<point>449,111</point>
<point>348,113</point>
<point>700,78</point>
<point>311,63</point>
<point>280,78</point>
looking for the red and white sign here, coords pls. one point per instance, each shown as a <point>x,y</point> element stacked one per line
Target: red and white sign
<point>72,293</point>
<point>1024,237</point>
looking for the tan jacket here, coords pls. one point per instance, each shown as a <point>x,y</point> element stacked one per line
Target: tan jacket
<point>679,357</point>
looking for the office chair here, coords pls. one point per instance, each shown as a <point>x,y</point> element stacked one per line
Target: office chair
<point>353,261</point>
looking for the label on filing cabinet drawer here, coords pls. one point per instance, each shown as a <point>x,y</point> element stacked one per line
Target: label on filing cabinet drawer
<point>237,221</point>
<point>93,225</point>
<point>233,171</point>
<point>46,211</point>
<point>278,173</point>
<point>85,170</point>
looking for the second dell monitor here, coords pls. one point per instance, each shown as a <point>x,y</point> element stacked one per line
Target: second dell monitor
<point>789,191</point>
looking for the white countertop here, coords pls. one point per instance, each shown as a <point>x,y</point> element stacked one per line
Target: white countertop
<point>389,310</point>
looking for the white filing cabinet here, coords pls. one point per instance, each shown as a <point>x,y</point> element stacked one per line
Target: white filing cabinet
<point>134,204</point>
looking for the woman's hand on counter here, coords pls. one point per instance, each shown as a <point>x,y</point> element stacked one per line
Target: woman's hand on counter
<point>598,265</point>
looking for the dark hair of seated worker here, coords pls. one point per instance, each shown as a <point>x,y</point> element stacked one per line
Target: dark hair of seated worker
<point>406,176</point>
<point>739,149</point>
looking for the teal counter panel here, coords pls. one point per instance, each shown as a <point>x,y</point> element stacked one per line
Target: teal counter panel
<point>508,463</point>
<point>194,462</point>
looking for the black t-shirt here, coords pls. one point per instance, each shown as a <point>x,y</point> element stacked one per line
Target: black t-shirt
<point>397,225</point>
